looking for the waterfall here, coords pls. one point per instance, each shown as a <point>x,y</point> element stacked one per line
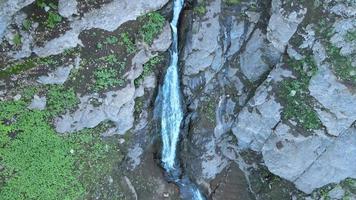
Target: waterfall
<point>172,116</point>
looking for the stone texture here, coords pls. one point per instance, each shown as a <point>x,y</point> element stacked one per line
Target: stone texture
<point>109,17</point>
<point>8,8</point>
<point>38,103</point>
<point>67,8</point>
<point>289,156</point>
<point>335,164</point>
<point>59,76</point>
<point>118,106</point>
<point>283,24</point>
<point>336,98</point>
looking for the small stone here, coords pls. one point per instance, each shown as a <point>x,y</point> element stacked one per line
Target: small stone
<point>121,141</point>
<point>166,195</point>
<point>72,151</point>
<point>17,97</point>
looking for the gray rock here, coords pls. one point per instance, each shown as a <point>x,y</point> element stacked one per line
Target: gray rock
<point>38,103</point>
<point>212,161</point>
<point>8,8</point>
<point>334,165</point>
<point>67,8</point>
<point>251,62</point>
<point>59,76</point>
<point>289,156</point>
<point>341,28</point>
<point>336,193</point>
<point>336,98</point>
<point>253,128</point>
<point>118,106</point>
<point>204,43</point>
<point>263,110</point>
<point>135,156</point>
<point>283,24</point>
<point>109,17</point>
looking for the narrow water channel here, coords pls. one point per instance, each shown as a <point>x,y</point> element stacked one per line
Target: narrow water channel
<point>172,116</point>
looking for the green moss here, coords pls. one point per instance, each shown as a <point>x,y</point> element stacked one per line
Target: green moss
<point>152,25</point>
<point>40,164</point>
<point>106,78</point>
<point>111,40</point>
<point>37,162</point>
<point>200,10</point>
<point>60,99</point>
<point>53,19</point>
<point>26,24</point>
<point>94,157</point>
<point>351,35</point>
<point>342,65</point>
<point>20,66</point>
<point>17,39</point>
<point>295,96</point>
<point>128,43</point>
<point>148,68</point>
<point>232,2</point>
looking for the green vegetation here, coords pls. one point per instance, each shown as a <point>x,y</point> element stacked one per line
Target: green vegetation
<point>111,40</point>
<point>152,25</point>
<point>111,59</point>
<point>94,158</point>
<point>294,94</point>
<point>60,99</point>
<point>37,163</point>
<point>128,42</point>
<point>351,36</point>
<point>20,66</point>
<point>148,68</point>
<point>17,40</point>
<point>232,2</point>
<point>106,78</point>
<point>200,10</point>
<point>27,24</point>
<point>342,65</point>
<point>53,19</point>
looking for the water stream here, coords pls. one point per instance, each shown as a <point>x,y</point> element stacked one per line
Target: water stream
<point>172,116</point>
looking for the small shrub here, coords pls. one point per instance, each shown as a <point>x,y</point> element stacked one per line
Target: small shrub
<point>106,78</point>
<point>111,40</point>
<point>60,99</point>
<point>53,19</point>
<point>17,40</point>
<point>127,41</point>
<point>152,26</point>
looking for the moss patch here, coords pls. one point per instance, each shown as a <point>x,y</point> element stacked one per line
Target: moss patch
<point>295,96</point>
<point>37,163</point>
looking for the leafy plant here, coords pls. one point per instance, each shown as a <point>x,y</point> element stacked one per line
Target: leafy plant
<point>232,2</point>
<point>148,68</point>
<point>17,40</point>
<point>26,24</point>
<point>295,96</point>
<point>37,162</point>
<point>153,24</point>
<point>110,59</point>
<point>106,78</point>
<point>53,19</point>
<point>127,41</point>
<point>60,99</point>
<point>111,40</point>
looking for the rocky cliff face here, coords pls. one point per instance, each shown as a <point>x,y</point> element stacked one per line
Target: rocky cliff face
<point>268,87</point>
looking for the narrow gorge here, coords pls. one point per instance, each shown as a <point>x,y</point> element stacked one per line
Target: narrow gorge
<point>180,99</point>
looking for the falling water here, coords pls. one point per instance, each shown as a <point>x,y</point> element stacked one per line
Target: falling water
<point>172,116</point>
